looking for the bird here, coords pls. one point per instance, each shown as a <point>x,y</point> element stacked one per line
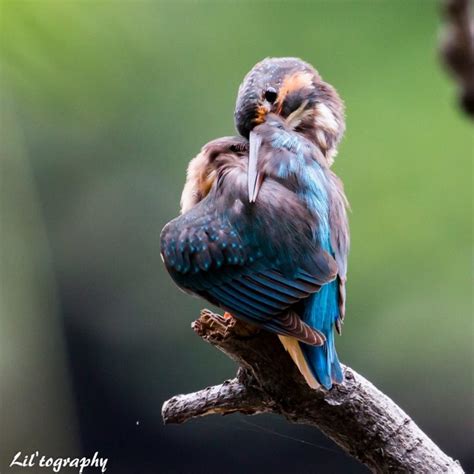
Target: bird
<point>263,230</point>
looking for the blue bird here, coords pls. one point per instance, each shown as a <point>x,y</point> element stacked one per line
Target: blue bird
<point>263,230</point>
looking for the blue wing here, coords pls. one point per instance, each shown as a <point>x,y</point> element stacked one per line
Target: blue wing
<point>247,263</point>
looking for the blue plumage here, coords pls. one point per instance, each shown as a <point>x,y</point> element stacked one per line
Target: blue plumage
<point>263,232</point>
<point>321,310</point>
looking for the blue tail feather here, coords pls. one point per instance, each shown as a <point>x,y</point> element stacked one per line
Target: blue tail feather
<point>321,313</point>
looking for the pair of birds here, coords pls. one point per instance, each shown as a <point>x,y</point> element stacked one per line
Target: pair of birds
<point>263,230</point>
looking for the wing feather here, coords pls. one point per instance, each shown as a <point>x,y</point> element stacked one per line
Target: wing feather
<point>232,266</point>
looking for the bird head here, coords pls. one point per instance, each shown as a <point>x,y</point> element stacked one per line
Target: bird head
<point>293,90</point>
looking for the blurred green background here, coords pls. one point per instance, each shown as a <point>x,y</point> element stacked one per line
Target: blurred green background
<point>103,103</point>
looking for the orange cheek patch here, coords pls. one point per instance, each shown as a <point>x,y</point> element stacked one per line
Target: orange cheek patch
<point>295,82</point>
<point>261,113</point>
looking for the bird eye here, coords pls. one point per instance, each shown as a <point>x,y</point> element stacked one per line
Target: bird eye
<point>271,95</point>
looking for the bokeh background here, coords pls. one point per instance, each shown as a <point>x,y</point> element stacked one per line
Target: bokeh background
<point>103,103</point>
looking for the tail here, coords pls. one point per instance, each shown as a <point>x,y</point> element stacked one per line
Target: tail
<point>319,365</point>
<point>323,362</point>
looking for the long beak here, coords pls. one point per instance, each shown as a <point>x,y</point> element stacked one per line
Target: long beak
<point>254,177</point>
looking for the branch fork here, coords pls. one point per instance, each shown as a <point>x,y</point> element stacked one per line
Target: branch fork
<point>356,415</point>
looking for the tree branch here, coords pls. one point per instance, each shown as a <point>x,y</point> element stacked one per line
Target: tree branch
<point>230,397</point>
<point>457,49</point>
<point>356,415</point>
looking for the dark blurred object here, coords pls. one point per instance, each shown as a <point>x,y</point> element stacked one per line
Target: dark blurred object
<point>457,49</point>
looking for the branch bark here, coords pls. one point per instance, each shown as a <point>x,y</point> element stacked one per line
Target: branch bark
<point>356,415</point>
<point>457,48</point>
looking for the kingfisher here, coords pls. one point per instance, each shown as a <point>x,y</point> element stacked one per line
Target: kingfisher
<point>263,230</point>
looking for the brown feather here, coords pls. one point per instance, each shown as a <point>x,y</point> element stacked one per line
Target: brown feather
<point>297,328</point>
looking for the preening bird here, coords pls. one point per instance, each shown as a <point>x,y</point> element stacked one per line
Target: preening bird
<point>263,230</point>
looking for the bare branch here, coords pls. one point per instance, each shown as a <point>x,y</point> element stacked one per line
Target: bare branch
<point>229,397</point>
<point>457,48</point>
<point>356,415</point>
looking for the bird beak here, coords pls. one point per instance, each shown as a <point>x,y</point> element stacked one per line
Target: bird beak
<point>254,177</point>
